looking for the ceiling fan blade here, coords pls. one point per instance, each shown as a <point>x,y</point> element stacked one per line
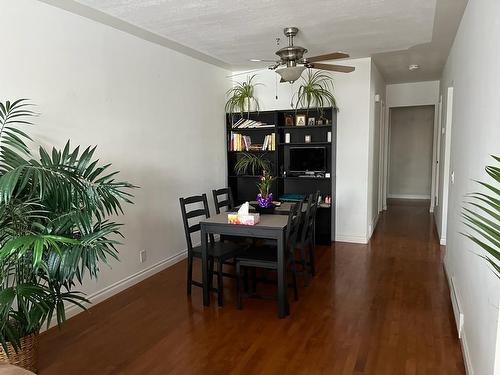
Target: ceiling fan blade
<point>328,56</point>
<point>333,68</point>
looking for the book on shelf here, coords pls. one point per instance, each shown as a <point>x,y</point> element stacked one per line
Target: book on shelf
<point>240,142</point>
<point>250,124</point>
<point>269,142</point>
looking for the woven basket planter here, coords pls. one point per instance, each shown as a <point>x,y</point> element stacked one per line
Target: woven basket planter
<point>26,357</point>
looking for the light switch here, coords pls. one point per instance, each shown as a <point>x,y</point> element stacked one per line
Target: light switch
<point>452,176</point>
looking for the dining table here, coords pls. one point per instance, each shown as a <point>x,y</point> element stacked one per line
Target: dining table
<point>270,226</point>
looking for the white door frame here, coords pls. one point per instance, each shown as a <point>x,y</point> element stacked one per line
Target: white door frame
<point>387,153</point>
<point>446,165</point>
<point>381,165</point>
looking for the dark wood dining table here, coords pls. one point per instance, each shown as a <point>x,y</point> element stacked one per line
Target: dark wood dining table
<point>270,227</point>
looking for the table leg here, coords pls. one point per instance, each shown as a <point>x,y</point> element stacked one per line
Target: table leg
<point>204,267</point>
<point>282,283</point>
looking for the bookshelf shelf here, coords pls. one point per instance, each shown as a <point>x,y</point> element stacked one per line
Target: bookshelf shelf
<point>308,127</point>
<point>305,144</point>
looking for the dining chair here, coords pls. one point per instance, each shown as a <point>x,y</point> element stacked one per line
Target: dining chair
<point>223,198</point>
<point>266,257</point>
<point>219,252</point>
<point>307,238</point>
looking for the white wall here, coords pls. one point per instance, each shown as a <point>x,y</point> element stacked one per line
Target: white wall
<point>156,114</point>
<point>377,87</point>
<point>414,93</point>
<point>473,70</point>
<point>352,92</point>
<point>410,171</point>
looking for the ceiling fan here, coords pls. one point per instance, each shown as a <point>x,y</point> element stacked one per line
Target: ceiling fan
<point>292,62</point>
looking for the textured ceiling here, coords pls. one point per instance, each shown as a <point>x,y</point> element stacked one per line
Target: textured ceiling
<point>235,31</point>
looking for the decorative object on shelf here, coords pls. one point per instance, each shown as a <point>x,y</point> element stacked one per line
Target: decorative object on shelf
<point>315,92</point>
<point>55,230</point>
<point>241,97</point>
<point>482,215</point>
<point>257,164</point>
<point>329,137</point>
<point>288,120</point>
<point>307,139</point>
<point>311,121</point>
<point>265,197</point>
<point>287,137</point>
<point>300,120</point>
<point>319,122</point>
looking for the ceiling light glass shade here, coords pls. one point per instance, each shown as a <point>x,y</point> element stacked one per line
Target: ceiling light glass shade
<point>290,74</point>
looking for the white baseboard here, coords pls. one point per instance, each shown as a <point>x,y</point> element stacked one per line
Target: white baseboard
<point>123,284</point>
<point>409,196</point>
<point>442,241</point>
<point>463,339</point>
<point>351,239</point>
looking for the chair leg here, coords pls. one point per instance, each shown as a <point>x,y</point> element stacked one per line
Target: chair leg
<point>210,273</point>
<point>239,305</point>
<point>294,281</point>
<point>189,274</point>
<point>220,287</point>
<point>303,259</point>
<point>312,257</point>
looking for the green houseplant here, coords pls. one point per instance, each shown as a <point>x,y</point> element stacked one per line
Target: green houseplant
<point>241,97</point>
<point>482,216</point>
<point>315,91</point>
<point>256,164</point>
<point>54,227</point>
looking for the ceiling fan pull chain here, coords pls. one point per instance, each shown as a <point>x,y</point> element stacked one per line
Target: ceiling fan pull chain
<point>276,85</point>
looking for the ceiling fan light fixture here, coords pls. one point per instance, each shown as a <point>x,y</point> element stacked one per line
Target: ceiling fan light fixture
<point>290,74</point>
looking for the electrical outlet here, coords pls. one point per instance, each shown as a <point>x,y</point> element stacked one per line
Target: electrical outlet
<point>142,256</point>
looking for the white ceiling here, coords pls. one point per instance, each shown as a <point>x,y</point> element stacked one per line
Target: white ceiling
<point>234,31</point>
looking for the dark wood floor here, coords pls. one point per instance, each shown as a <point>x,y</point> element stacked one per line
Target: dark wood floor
<point>381,308</point>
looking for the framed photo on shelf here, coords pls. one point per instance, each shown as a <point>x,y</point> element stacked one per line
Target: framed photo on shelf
<point>300,120</point>
<point>307,139</point>
<point>288,120</point>
<point>311,121</point>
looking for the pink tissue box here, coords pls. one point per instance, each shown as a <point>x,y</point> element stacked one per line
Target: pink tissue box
<point>249,219</point>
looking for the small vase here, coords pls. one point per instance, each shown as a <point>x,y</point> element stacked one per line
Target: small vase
<point>265,202</point>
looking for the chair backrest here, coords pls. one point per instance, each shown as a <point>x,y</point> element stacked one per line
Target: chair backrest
<point>194,212</point>
<point>308,218</point>
<point>219,200</point>
<point>293,226</point>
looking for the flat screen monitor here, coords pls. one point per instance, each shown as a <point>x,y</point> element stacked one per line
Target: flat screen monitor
<point>307,159</point>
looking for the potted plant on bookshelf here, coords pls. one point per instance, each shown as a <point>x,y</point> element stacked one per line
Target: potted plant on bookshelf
<point>54,231</point>
<point>252,164</point>
<point>265,197</point>
<point>315,91</point>
<point>482,216</point>
<point>241,97</point>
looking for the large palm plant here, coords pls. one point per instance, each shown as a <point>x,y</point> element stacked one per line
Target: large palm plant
<point>483,216</point>
<point>53,225</point>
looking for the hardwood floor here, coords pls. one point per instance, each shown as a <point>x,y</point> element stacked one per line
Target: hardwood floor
<point>381,308</point>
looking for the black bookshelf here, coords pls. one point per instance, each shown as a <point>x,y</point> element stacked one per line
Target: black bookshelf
<point>245,187</point>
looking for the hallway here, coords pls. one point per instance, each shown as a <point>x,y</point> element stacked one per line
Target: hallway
<point>381,308</point>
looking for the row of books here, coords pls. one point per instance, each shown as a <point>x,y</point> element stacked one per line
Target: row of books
<point>246,124</point>
<point>240,142</point>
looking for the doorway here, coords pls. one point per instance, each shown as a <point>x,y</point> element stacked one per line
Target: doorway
<point>411,135</point>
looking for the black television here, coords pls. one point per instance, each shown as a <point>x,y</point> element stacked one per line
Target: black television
<point>307,159</point>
